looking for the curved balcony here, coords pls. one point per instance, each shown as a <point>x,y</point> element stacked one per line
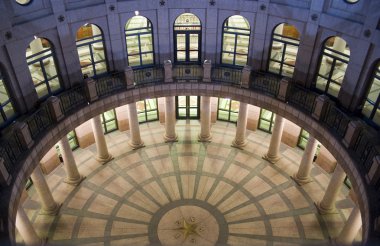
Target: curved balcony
<point>354,145</point>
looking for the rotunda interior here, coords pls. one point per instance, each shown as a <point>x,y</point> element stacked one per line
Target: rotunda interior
<point>204,122</point>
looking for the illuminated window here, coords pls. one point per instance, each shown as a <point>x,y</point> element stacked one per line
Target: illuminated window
<point>42,66</point>
<point>90,47</point>
<point>266,120</point>
<point>371,109</point>
<point>235,42</point>
<point>332,66</point>
<point>147,110</point>
<point>187,39</point>
<point>6,107</point>
<point>73,141</point>
<point>285,42</point>
<point>109,121</point>
<point>23,2</point>
<point>139,40</point>
<point>228,110</point>
<point>187,107</point>
<point>302,139</point>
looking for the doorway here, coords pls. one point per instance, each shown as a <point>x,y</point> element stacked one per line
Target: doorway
<point>187,39</point>
<point>187,107</point>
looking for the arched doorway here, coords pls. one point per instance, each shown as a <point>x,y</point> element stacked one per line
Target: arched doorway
<point>187,39</point>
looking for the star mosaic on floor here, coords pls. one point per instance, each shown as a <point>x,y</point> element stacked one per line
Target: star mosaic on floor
<point>188,193</point>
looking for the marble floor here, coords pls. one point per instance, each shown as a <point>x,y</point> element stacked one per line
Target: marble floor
<point>188,193</point>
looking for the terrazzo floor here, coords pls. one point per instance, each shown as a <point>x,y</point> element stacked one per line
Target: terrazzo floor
<point>161,194</point>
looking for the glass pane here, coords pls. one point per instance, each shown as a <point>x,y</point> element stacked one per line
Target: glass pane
<point>367,109</point>
<point>291,54</point>
<point>242,44</point>
<point>193,112</point>
<point>147,58</point>
<point>234,116</point>
<point>101,67</point>
<point>152,115</point>
<point>54,85</point>
<point>374,92</point>
<point>235,106</point>
<point>274,67</point>
<point>146,43</point>
<point>321,83</point>
<point>141,117</point>
<point>182,101</point>
<point>84,56</point>
<point>194,41</point>
<point>187,19</point>
<point>132,45</point>
<point>241,60</point>
<point>227,58</point>
<point>229,42</point>
<point>3,92</point>
<point>181,55</point>
<point>111,126</point>
<point>8,110</point>
<point>277,51</point>
<point>151,104</point>
<point>194,55</point>
<point>223,115</point>
<point>41,90</point>
<point>50,69</point>
<point>98,54</point>
<point>333,89</point>
<point>140,106</point>
<point>325,67</point>
<point>88,70</point>
<point>181,42</point>
<point>264,125</point>
<point>224,103</point>
<point>193,101</point>
<point>182,112</point>
<point>287,70</point>
<point>134,60</point>
<point>109,115</point>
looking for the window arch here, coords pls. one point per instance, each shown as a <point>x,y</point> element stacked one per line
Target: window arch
<point>332,66</point>
<point>235,41</point>
<point>42,66</point>
<point>7,112</point>
<point>139,40</point>
<point>90,47</point>
<point>187,39</point>
<point>284,49</point>
<point>371,109</point>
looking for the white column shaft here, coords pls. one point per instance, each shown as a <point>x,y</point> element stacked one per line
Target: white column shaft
<point>205,134</point>
<point>351,228</point>
<point>25,228</point>
<point>327,205</point>
<point>48,204</point>
<point>303,174</point>
<point>100,140</point>
<point>72,173</point>
<point>273,154</point>
<point>170,120</point>
<point>134,127</point>
<point>241,127</point>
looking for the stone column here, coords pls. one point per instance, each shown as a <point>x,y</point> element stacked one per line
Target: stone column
<point>327,205</point>
<point>339,45</point>
<point>205,134</point>
<point>239,141</point>
<point>48,205</point>
<point>351,228</point>
<point>134,127</point>
<point>73,176</point>
<point>170,120</point>
<point>100,141</point>
<point>303,175</point>
<point>273,154</point>
<point>25,228</point>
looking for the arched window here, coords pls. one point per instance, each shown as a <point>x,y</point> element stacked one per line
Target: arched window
<point>235,42</point>
<point>332,66</point>
<point>23,2</point>
<point>187,39</point>
<point>285,42</point>
<point>90,47</point>
<point>371,109</point>
<point>41,62</point>
<point>139,40</point>
<point>7,112</point>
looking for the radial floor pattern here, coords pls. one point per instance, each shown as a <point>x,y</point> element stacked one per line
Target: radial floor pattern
<point>188,193</point>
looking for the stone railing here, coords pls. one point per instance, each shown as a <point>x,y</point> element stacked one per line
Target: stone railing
<point>359,140</point>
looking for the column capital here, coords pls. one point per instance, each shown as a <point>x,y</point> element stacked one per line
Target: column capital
<point>245,76</point>
<point>90,89</point>
<point>54,106</point>
<point>168,67</point>
<point>320,108</point>
<point>129,77</point>
<point>207,66</point>
<point>23,134</point>
<point>353,130</point>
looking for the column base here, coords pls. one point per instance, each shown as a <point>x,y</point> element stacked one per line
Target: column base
<point>136,146</point>
<point>204,138</point>
<point>323,211</point>
<point>237,145</point>
<point>103,160</point>
<point>271,159</point>
<point>170,139</point>
<point>75,182</point>
<point>53,211</point>
<point>301,181</point>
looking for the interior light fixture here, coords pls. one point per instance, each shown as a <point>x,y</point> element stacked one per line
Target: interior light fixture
<point>35,37</point>
<point>137,12</point>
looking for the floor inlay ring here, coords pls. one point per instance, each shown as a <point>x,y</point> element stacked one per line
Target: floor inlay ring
<point>188,222</point>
